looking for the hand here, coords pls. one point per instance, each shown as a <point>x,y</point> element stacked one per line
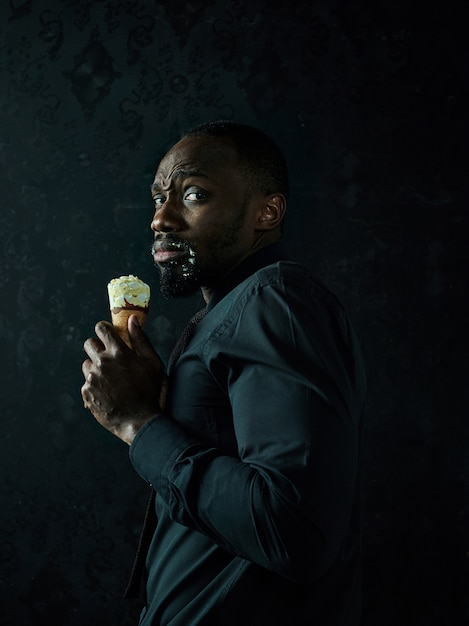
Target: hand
<point>123,388</point>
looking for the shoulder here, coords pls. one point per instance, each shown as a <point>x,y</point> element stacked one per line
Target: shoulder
<point>273,295</point>
<point>289,281</point>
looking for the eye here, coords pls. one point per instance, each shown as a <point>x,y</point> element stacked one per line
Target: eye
<point>158,200</point>
<point>195,194</point>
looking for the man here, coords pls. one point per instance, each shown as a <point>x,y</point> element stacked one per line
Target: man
<point>251,442</point>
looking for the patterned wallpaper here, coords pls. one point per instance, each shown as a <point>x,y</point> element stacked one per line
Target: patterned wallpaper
<point>368,101</point>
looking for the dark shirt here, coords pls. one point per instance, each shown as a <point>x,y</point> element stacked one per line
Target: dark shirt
<point>256,461</point>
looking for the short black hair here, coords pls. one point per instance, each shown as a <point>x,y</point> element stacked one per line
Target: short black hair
<point>262,159</point>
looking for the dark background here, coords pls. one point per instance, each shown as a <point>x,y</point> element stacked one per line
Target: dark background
<point>368,100</point>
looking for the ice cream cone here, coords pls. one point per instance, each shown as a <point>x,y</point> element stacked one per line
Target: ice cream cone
<point>128,295</point>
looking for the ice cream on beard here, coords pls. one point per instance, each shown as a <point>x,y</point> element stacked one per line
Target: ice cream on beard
<point>128,295</point>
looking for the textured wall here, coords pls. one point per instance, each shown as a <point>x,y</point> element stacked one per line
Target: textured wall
<point>368,101</point>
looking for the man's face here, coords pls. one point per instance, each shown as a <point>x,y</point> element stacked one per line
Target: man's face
<point>204,221</point>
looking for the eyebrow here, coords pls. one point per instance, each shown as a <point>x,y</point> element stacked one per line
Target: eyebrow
<point>180,174</point>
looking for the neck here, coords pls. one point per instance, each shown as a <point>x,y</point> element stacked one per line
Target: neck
<point>264,239</point>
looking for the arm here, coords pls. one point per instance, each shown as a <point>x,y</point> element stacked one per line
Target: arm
<point>285,503</point>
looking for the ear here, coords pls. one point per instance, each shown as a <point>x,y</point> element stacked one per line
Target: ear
<point>271,212</point>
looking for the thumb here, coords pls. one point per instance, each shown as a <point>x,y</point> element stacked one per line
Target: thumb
<point>140,342</point>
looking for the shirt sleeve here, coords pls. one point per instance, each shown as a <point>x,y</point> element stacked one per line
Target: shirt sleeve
<point>288,360</point>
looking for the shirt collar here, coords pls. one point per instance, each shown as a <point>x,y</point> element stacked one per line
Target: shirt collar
<point>265,256</point>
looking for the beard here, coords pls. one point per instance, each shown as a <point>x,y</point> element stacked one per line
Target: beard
<point>179,279</point>
<point>183,277</point>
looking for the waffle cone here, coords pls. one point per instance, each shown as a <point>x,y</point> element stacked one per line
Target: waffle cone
<point>120,318</point>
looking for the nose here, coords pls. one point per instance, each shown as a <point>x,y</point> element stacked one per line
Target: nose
<point>166,218</point>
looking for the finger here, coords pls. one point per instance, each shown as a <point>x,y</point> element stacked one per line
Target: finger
<point>107,334</point>
<point>93,347</point>
<point>86,368</point>
<point>85,394</point>
<point>140,342</point>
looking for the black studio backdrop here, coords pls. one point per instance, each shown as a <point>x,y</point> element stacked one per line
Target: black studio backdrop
<point>368,100</point>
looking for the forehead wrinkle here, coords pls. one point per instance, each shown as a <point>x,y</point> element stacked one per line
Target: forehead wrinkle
<point>193,157</point>
<point>179,173</point>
